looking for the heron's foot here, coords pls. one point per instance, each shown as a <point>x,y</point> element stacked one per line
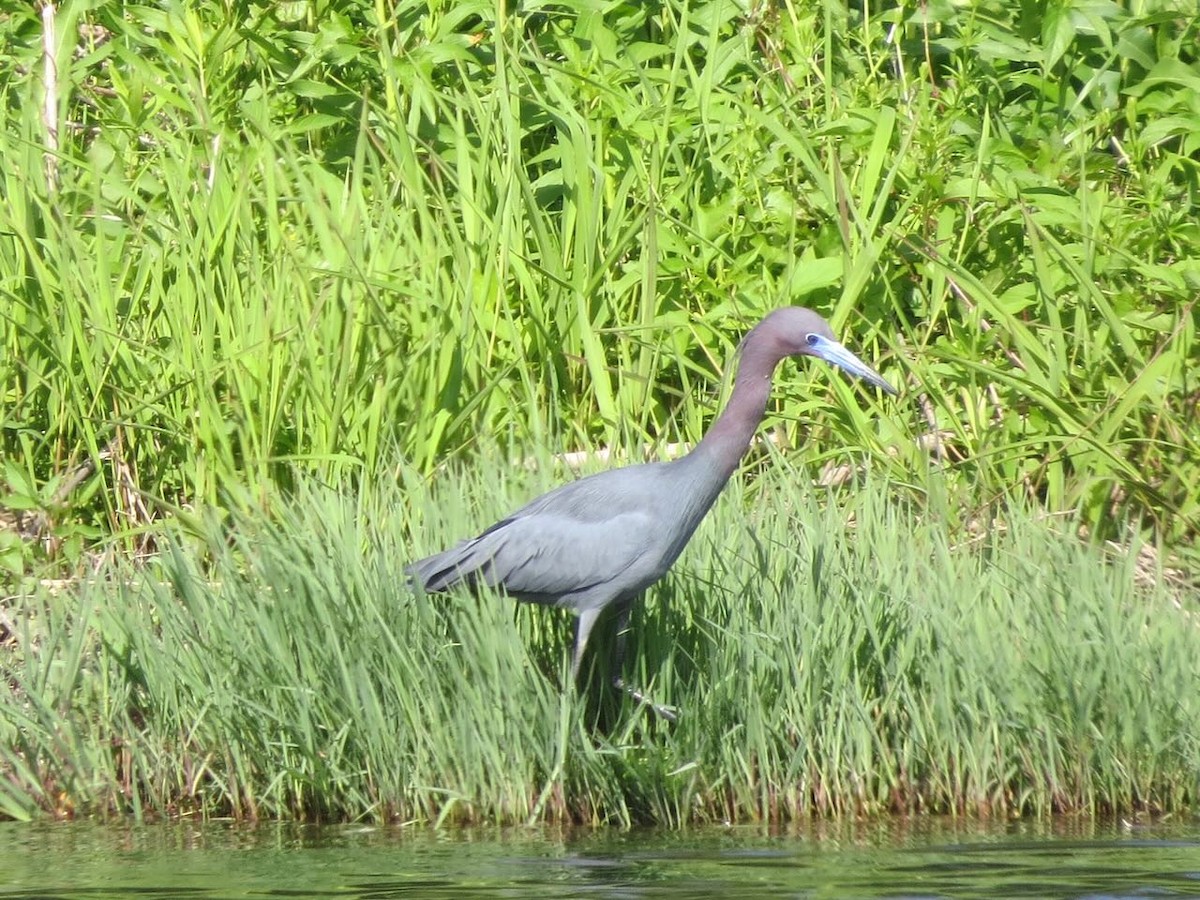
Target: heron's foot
<point>670,713</point>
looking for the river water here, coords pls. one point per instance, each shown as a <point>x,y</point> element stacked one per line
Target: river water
<point>909,859</point>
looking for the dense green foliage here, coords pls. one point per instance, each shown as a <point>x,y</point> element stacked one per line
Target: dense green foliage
<point>258,246</point>
<point>840,658</point>
<point>297,234</point>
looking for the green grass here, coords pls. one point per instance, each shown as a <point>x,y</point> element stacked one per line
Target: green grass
<point>263,247</point>
<point>289,237</point>
<point>833,654</point>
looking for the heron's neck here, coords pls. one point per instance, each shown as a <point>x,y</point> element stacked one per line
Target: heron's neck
<point>722,448</point>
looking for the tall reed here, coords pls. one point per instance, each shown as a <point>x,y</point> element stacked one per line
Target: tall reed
<point>833,653</point>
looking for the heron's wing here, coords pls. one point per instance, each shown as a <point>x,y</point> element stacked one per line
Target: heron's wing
<point>557,554</point>
<point>600,533</point>
<point>544,554</point>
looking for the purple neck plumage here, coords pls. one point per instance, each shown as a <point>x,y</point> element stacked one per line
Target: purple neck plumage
<point>726,442</point>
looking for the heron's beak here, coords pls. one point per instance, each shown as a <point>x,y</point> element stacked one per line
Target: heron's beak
<point>837,355</point>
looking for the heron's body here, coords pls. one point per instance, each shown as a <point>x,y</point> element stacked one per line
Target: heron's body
<point>620,531</point>
<point>602,540</point>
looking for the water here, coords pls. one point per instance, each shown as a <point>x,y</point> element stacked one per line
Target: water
<point>925,859</point>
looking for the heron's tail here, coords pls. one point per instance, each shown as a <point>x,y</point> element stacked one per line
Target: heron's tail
<point>462,564</point>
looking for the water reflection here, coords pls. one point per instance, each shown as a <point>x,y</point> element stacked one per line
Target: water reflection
<point>913,859</point>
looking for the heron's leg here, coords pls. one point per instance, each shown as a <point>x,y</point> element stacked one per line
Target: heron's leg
<point>618,656</point>
<point>583,627</point>
<point>618,662</point>
<point>670,713</point>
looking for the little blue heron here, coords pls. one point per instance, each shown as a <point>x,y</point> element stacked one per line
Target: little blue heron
<point>602,540</point>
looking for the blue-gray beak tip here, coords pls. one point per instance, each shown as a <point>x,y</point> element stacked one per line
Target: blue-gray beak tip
<point>837,355</point>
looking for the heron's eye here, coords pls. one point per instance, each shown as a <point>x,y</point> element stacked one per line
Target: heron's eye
<point>811,339</point>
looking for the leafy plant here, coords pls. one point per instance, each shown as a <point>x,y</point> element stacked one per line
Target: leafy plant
<point>286,237</point>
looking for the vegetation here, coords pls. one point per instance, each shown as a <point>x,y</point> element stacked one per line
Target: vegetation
<point>851,659</point>
<point>246,248</point>
<point>290,235</point>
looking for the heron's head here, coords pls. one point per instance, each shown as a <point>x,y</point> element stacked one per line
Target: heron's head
<point>797,331</point>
